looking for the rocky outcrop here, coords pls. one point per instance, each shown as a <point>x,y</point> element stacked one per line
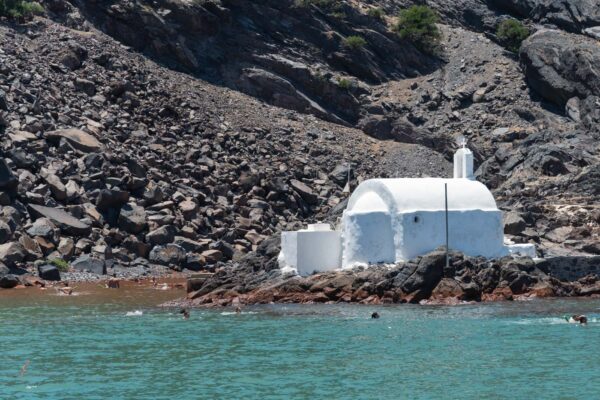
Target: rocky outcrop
<point>210,39</point>
<point>560,66</point>
<point>425,280</point>
<point>570,15</point>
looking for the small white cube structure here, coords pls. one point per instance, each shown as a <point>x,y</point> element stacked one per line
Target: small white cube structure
<point>317,248</point>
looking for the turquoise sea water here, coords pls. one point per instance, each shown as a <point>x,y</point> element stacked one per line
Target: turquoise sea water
<point>83,350</point>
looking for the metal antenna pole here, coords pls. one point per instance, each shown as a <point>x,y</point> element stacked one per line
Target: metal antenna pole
<point>447,249</point>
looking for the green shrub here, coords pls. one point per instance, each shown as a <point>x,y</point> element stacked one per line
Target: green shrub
<point>61,264</point>
<point>376,13</point>
<point>354,42</point>
<point>511,34</point>
<point>344,83</point>
<point>19,9</point>
<point>418,24</point>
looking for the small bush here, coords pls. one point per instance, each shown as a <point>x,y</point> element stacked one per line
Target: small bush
<point>344,83</point>
<point>418,24</point>
<point>354,42</point>
<point>61,264</point>
<point>511,34</point>
<point>376,13</point>
<point>19,9</point>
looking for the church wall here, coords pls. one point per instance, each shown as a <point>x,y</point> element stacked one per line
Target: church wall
<point>473,232</point>
<point>367,238</point>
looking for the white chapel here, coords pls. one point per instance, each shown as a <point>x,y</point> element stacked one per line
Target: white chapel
<point>394,220</point>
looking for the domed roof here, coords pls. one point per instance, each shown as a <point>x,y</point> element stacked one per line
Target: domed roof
<point>420,194</point>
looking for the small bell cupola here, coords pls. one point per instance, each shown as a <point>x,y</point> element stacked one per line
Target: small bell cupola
<point>463,161</point>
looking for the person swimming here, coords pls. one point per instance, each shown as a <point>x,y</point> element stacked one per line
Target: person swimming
<point>65,289</point>
<point>238,310</point>
<point>113,283</point>
<point>375,315</point>
<point>574,319</point>
<point>185,312</point>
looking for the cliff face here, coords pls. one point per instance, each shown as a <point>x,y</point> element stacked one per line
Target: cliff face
<point>187,132</point>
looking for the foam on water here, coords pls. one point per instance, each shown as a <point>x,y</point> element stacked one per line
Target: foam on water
<point>135,313</point>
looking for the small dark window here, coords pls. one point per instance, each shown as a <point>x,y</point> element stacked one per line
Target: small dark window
<point>416,219</point>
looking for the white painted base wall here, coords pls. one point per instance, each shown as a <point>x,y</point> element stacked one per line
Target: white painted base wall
<point>368,238</point>
<point>376,237</point>
<point>309,251</point>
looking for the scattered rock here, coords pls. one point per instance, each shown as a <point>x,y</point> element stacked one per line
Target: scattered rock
<point>49,273</point>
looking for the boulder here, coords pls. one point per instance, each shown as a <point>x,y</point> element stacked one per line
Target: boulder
<point>560,66</point>
<point>43,227</point>
<point>63,220</point>
<point>514,224</point>
<point>191,245</point>
<point>5,232</point>
<point>85,86</point>
<point>7,179</point>
<point>132,218</point>
<point>170,254</point>
<point>49,273</point>
<point>163,235</point>
<point>12,253</point>
<point>427,275</point>
<point>212,256</point>
<point>77,138</point>
<point>88,263</point>
<point>9,281</point>
<point>58,189</point>
<point>304,191</point>
<point>111,198</point>
<point>593,32</point>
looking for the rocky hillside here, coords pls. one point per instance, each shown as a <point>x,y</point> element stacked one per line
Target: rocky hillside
<point>184,133</point>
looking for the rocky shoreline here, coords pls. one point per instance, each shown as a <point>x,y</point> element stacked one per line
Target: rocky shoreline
<point>424,280</point>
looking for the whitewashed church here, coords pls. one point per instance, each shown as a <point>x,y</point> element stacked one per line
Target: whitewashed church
<point>393,220</point>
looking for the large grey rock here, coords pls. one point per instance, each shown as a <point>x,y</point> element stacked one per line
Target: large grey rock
<point>49,272</point>
<point>427,275</point>
<point>191,245</point>
<point>12,253</point>
<point>88,263</point>
<point>9,281</point>
<point>304,191</point>
<point>65,221</point>
<point>5,232</point>
<point>170,254</point>
<point>43,227</point>
<point>132,218</point>
<point>593,32</point>
<point>111,198</point>
<point>77,138</point>
<point>514,224</point>
<point>561,65</point>
<point>7,179</point>
<point>570,15</point>
<point>163,235</point>
<point>58,189</point>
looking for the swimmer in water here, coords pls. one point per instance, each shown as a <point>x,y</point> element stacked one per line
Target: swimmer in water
<point>65,289</point>
<point>154,282</point>
<point>375,315</point>
<point>238,310</point>
<point>185,312</point>
<point>582,319</point>
<point>113,283</point>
